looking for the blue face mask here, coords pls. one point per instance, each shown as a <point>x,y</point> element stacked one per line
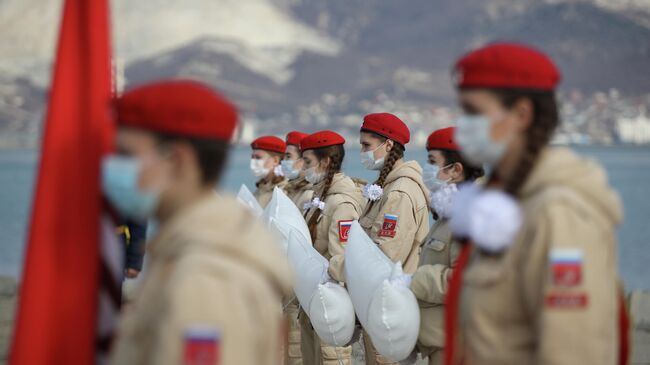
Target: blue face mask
<point>473,137</point>
<point>120,184</point>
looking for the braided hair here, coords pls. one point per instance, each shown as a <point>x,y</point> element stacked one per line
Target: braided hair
<point>470,172</point>
<point>538,135</point>
<point>336,155</point>
<point>395,154</point>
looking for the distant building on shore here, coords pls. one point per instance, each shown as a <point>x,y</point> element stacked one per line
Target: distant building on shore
<point>634,130</point>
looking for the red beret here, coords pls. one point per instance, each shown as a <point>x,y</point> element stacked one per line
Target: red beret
<point>387,125</point>
<point>294,138</point>
<point>507,65</point>
<point>269,143</point>
<point>442,139</point>
<point>321,139</point>
<point>184,108</point>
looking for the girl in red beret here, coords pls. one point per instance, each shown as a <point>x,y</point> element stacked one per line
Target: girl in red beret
<point>268,151</point>
<point>397,214</point>
<point>301,192</point>
<point>537,278</point>
<point>338,201</point>
<point>444,170</point>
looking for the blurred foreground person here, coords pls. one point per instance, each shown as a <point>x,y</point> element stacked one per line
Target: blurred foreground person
<point>268,152</point>
<point>539,277</point>
<point>211,292</point>
<point>443,172</point>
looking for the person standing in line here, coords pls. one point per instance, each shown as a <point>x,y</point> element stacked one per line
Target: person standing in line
<point>338,202</point>
<point>396,217</point>
<point>267,153</point>
<point>537,282</point>
<point>443,172</point>
<point>212,290</point>
<point>299,190</point>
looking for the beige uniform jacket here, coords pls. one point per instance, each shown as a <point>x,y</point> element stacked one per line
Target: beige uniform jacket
<point>343,204</point>
<point>437,260</point>
<point>264,191</point>
<point>300,192</point>
<point>211,268</point>
<point>552,296</point>
<point>399,221</point>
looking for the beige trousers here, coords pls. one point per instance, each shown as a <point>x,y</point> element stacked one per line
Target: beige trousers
<point>372,356</point>
<point>315,352</point>
<point>292,355</point>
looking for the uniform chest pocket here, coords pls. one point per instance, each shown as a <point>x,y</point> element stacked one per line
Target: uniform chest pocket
<point>436,245</point>
<point>486,271</point>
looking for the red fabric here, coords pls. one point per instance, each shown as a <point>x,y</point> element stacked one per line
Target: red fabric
<point>269,143</point>
<point>507,65</point>
<point>442,139</point>
<point>58,304</point>
<point>321,139</point>
<point>294,138</point>
<point>624,329</point>
<point>452,306</point>
<point>178,107</point>
<point>387,125</point>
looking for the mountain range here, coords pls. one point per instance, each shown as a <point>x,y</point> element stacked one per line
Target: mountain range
<point>277,57</point>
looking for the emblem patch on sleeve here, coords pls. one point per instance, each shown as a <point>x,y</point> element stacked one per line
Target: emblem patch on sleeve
<point>389,227</point>
<point>201,346</point>
<point>344,230</point>
<point>566,267</point>
<point>566,300</point>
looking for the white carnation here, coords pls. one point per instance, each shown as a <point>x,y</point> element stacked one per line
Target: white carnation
<point>494,220</point>
<point>442,200</point>
<point>372,192</point>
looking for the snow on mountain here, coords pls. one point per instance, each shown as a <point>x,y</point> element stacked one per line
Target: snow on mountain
<point>267,38</point>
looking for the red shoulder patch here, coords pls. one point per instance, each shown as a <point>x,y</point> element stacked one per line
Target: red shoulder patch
<point>568,300</point>
<point>344,230</point>
<point>201,346</point>
<point>389,226</point>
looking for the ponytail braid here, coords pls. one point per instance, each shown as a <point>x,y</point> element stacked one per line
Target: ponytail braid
<point>538,135</point>
<point>395,154</point>
<point>336,154</point>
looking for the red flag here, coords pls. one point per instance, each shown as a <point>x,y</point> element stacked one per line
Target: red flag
<point>57,314</point>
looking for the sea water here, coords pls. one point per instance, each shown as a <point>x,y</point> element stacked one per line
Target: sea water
<point>628,169</point>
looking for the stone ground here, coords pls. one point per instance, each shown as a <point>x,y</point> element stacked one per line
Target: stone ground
<point>639,307</point>
<point>8,291</point>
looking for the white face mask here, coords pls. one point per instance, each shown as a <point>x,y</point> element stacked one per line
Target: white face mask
<point>289,170</point>
<point>368,159</point>
<point>430,176</point>
<point>313,176</point>
<point>473,137</point>
<point>258,169</point>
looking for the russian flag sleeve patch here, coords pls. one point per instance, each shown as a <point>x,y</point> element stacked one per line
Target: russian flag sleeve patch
<point>566,267</point>
<point>344,230</point>
<point>389,226</point>
<point>201,345</point>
